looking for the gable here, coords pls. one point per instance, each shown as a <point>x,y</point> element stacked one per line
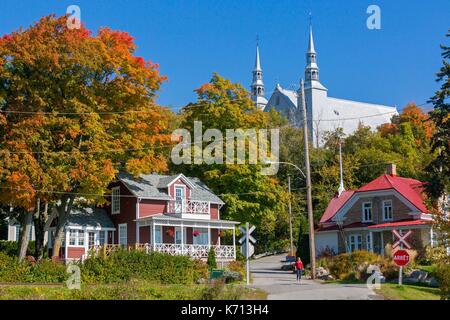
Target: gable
<point>353,207</point>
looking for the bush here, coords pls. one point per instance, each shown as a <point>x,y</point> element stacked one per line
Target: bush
<point>11,248</point>
<point>340,266</point>
<point>200,270</point>
<point>11,270</point>
<point>443,276</point>
<point>232,276</point>
<point>211,261</point>
<point>125,265</point>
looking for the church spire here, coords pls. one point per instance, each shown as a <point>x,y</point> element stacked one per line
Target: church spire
<point>257,86</point>
<point>311,70</point>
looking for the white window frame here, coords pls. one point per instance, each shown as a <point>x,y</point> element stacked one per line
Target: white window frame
<point>158,231</point>
<point>78,238</point>
<point>179,186</point>
<point>120,234</point>
<point>203,232</point>
<point>369,241</point>
<point>391,205</point>
<point>178,232</point>
<point>115,200</point>
<point>363,211</point>
<point>353,240</point>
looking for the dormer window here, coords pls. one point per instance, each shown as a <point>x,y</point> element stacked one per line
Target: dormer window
<point>367,212</point>
<point>179,193</point>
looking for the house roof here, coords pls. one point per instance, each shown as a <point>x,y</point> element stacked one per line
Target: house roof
<point>335,204</point>
<point>411,189</point>
<point>404,223</point>
<point>89,217</point>
<point>155,186</point>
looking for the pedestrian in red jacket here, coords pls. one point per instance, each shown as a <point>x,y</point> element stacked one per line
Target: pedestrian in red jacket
<point>299,269</point>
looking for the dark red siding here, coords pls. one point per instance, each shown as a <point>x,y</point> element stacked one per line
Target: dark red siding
<point>75,252</point>
<point>127,213</point>
<point>214,208</point>
<point>151,207</point>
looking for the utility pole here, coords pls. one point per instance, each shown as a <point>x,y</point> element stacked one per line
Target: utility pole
<point>312,247</point>
<point>290,217</point>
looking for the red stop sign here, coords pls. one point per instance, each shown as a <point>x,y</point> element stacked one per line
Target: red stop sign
<point>401,258</point>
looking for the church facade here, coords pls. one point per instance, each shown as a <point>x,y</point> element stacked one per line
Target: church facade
<point>324,113</point>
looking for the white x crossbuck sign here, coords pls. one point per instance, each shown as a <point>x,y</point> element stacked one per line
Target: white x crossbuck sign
<point>401,239</point>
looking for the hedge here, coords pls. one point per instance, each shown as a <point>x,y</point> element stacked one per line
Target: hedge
<point>121,266</point>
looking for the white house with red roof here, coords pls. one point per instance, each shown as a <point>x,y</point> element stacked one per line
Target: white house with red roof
<point>364,218</point>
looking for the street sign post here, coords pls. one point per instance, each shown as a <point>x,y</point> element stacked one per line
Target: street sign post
<point>247,242</point>
<point>401,257</point>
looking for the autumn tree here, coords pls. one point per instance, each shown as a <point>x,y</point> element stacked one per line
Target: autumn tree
<point>249,196</point>
<point>75,108</point>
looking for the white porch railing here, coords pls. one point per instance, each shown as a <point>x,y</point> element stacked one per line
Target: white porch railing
<point>193,250</point>
<point>188,206</point>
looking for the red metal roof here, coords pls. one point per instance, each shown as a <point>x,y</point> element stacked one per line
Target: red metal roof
<point>335,204</point>
<point>399,224</point>
<point>411,189</point>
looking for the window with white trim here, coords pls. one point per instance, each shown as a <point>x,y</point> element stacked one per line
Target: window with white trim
<point>177,235</point>
<point>17,232</point>
<point>158,234</point>
<point>76,237</point>
<point>369,242</point>
<point>115,201</point>
<point>354,242</point>
<point>387,210</point>
<point>179,193</point>
<point>200,236</point>
<point>91,239</point>
<point>101,237</point>
<point>123,234</point>
<point>367,211</point>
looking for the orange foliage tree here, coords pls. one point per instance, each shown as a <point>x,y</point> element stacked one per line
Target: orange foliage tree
<point>75,108</point>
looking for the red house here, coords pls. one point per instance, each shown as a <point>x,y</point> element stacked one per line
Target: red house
<point>364,218</point>
<point>170,214</point>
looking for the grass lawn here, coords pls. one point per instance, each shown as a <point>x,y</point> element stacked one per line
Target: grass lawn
<point>134,290</point>
<point>391,291</point>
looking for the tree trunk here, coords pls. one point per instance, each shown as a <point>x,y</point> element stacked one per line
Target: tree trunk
<point>40,220</point>
<point>27,220</point>
<point>63,211</point>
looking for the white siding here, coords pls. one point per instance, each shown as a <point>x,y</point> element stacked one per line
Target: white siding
<point>324,239</point>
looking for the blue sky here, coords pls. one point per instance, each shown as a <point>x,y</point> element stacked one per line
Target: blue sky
<point>192,39</point>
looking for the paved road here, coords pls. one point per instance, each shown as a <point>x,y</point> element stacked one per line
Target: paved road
<point>282,285</point>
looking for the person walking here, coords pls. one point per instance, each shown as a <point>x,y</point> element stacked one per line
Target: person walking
<point>299,269</point>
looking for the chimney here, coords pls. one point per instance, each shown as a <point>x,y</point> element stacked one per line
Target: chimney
<point>391,169</point>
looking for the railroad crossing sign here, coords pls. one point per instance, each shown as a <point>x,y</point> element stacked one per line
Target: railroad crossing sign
<point>247,233</point>
<point>247,242</point>
<point>244,243</point>
<point>401,239</point>
<point>401,258</point>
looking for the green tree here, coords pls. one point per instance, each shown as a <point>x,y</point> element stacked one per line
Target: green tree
<point>211,261</point>
<point>249,196</point>
<point>440,166</point>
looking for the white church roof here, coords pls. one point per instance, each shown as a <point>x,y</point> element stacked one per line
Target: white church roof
<point>290,94</point>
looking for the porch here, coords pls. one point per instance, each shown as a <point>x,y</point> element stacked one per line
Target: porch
<point>181,236</point>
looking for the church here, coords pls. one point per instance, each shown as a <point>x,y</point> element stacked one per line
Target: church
<point>324,113</point>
